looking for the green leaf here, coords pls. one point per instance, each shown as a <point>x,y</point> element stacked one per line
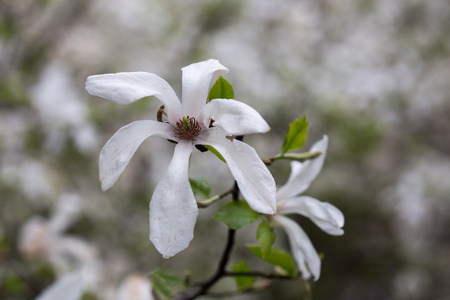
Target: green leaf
<point>242,282</point>
<point>277,257</point>
<point>296,136</point>
<point>221,89</point>
<point>236,214</point>
<point>265,237</point>
<point>213,150</point>
<point>200,187</point>
<point>165,284</point>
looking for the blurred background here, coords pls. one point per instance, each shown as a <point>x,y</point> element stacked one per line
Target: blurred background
<point>372,75</point>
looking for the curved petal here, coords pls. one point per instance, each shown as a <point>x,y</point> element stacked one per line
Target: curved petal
<point>196,81</point>
<point>302,174</point>
<point>301,247</point>
<point>235,117</point>
<point>127,87</point>
<point>69,286</point>
<point>325,215</point>
<point>173,209</point>
<point>252,176</point>
<point>119,149</point>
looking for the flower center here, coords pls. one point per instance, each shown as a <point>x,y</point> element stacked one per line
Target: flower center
<point>187,129</point>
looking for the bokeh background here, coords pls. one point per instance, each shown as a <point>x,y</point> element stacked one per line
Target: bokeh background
<point>372,75</point>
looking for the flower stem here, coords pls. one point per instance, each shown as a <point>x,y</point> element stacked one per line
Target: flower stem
<point>292,156</point>
<point>209,201</point>
<point>258,274</point>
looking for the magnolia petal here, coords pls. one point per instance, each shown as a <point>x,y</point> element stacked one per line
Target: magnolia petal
<point>301,247</point>
<point>252,176</point>
<point>325,215</point>
<point>127,87</point>
<point>302,174</point>
<point>235,117</point>
<point>68,287</point>
<point>173,209</point>
<point>117,152</point>
<point>196,82</point>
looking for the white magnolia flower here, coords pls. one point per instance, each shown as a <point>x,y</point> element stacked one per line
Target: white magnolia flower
<point>323,214</point>
<point>74,260</point>
<point>71,286</point>
<point>173,209</point>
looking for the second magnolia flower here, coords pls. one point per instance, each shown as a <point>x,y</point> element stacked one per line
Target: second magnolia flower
<point>193,121</point>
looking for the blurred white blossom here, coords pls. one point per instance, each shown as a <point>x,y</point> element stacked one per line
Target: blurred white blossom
<point>62,109</point>
<point>45,239</point>
<point>136,287</point>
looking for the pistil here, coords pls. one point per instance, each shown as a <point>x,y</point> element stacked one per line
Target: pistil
<point>187,129</point>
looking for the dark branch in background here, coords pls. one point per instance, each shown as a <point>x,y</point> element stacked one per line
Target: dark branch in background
<point>205,286</point>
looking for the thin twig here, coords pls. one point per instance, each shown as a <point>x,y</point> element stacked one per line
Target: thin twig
<point>209,201</point>
<point>292,156</point>
<point>258,274</point>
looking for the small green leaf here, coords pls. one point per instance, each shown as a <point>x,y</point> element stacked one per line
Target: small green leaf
<point>161,289</point>
<point>265,237</point>
<point>277,257</point>
<point>296,136</point>
<point>221,89</point>
<point>213,150</point>
<point>242,282</point>
<point>200,187</point>
<point>165,284</point>
<point>236,214</point>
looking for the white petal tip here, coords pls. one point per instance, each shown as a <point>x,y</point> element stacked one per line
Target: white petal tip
<point>264,128</point>
<point>340,232</point>
<point>104,185</point>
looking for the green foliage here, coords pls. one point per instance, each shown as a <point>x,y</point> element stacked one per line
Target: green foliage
<point>12,284</point>
<point>361,136</point>
<point>236,214</point>
<point>7,27</point>
<point>13,91</point>
<point>89,296</point>
<point>296,136</point>
<point>213,150</point>
<point>165,284</point>
<point>265,237</point>
<point>200,187</point>
<point>34,139</point>
<point>222,89</point>
<point>277,257</point>
<point>242,282</point>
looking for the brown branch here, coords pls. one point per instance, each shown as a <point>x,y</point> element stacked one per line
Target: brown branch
<point>206,285</point>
